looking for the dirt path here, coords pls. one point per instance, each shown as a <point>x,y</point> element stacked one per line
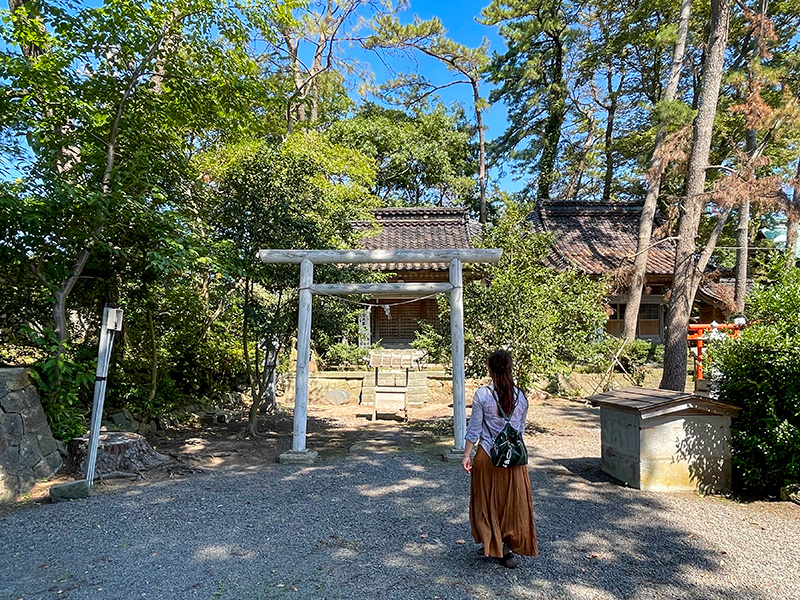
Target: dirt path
<point>380,515</point>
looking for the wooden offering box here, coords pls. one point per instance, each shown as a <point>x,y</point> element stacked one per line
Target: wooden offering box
<point>662,440</point>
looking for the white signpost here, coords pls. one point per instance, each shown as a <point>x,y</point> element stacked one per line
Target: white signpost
<point>308,258</point>
<point>112,322</point>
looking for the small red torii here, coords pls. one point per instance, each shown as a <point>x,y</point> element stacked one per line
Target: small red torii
<point>699,332</point>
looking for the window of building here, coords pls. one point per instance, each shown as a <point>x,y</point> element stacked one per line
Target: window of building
<point>649,312</point>
<point>650,320</point>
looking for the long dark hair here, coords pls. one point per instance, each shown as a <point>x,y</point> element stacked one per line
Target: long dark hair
<point>501,369</point>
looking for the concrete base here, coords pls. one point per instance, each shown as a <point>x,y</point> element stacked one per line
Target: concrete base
<point>453,455</point>
<point>72,490</point>
<point>298,457</point>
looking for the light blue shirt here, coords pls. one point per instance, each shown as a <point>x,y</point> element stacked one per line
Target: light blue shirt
<point>485,421</point>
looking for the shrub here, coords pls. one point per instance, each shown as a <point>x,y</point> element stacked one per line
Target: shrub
<point>345,355</point>
<point>65,386</point>
<point>760,372</point>
<point>435,343</point>
<point>633,358</point>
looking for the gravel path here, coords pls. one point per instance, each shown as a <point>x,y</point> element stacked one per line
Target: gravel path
<point>389,520</point>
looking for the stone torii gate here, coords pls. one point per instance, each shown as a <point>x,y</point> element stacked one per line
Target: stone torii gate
<point>308,258</point>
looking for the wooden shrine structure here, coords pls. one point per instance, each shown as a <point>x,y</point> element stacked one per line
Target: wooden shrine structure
<point>308,258</point>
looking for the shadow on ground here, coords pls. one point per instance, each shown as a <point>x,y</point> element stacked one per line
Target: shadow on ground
<point>385,520</point>
<point>379,516</point>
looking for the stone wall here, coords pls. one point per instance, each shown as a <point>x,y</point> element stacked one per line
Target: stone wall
<point>28,451</point>
<point>586,384</point>
<point>322,382</point>
<point>430,386</point>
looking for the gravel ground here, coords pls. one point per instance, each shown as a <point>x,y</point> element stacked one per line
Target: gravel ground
<point>389,520</point>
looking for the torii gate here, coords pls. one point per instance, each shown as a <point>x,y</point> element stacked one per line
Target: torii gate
<point>308,258</point>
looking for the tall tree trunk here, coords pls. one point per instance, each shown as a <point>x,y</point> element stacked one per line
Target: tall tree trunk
<point>657,168</point>
<point>686,276</point>
<point>476,98</point>
<point>153,357</point>
<point>743,227</point>
<point>742,247</point>
<point>792,222</point>
<point>555,119</point>
<point>311,82</point>
<point>609,137</point>
<point>575,181</point>
<point>743,234</point>
<point>295,105</point>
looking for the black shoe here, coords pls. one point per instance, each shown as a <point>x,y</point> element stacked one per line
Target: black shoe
<point>509,561</point>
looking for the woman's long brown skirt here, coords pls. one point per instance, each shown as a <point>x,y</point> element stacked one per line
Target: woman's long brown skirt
<point>500,507</point>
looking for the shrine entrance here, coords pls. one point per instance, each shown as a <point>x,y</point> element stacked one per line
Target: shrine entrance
<point>308,258</point>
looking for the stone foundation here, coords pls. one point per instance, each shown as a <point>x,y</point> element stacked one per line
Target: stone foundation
<point>324,387</point>
<point>28,451</point>
<point>321,383</point>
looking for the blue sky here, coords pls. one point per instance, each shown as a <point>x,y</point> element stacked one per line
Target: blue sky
<point>459,18</point>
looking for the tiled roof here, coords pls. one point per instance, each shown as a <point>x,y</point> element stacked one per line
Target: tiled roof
<point>722,292</point>
<point>415,229</point>
<point>598,238</point>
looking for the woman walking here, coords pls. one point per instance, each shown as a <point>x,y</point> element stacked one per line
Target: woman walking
<point>500,505</point>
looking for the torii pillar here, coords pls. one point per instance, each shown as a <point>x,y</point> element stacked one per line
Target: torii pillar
<point>299,454</point>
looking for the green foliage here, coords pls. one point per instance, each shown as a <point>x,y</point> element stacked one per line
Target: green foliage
<point>343,354</point>
<point>633,358</point>
<point>301,193</point>
<point>103,109</point>
<point>760,372</point>
<point>435,342</point>
<point>64,380</point>
<point>421,157</point>
<point>547,319</point>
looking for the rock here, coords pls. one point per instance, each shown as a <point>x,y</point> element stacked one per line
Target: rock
<point>338,397</point>
<point>72,490</point>
<point>791,493</point>
<point>8,485</point>
<point>23,398</point>
<point>12,427</point>
<point>118,419</point>
<point>54,461</point>
<point>41,470</point>
<point>47,444</point>
<point>12,380</point>
<point>27,449</point>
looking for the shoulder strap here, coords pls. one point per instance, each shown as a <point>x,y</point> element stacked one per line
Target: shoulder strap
<point>500,407</point>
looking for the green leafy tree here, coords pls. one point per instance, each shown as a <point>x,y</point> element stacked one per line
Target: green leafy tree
<point>104,107</point>
<point>531,81</point>
<point>421,157</point>
<point>430,39</point>
<point>547,319</point>
<point>760,372</point>
<point>301,194</point>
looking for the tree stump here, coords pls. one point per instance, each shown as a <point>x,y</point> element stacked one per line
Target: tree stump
<point>119,454</point>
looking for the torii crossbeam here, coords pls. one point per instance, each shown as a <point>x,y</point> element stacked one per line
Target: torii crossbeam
<point>308,258</point>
